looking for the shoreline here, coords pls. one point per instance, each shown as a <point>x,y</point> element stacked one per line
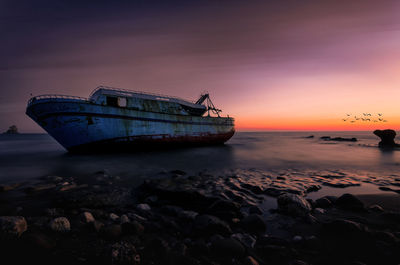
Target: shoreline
<point>176,218</point>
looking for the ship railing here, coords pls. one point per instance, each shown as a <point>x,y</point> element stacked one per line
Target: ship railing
<point>55,96</point>
<point>177,99</point>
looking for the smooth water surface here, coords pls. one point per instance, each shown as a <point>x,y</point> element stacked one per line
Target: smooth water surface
<point>28,156</point>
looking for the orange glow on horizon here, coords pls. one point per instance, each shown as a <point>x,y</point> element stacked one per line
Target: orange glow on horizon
<point>242,124</point>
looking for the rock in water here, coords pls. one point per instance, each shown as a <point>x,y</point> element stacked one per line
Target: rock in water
<point>294,205</point>
<point>12,130</point>
<point>60,224</point>
<point>13,225</point>
<point>349,202</point>
<point>387,138</point>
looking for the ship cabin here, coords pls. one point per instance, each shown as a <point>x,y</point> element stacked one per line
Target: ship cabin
<point>142,101</point>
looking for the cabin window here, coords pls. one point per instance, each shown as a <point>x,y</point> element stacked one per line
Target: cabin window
<point>117,101</point>
<point>122,102</point>
<point>112,101</point>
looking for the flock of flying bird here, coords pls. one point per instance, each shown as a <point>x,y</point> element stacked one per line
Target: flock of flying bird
<point>366,117</point>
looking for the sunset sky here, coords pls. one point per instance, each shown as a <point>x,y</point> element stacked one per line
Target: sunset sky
<point>272,65</point>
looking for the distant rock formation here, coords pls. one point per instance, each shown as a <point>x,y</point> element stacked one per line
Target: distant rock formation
<point>12,130</point>
<point>387,138</point>
<point>339,139</point>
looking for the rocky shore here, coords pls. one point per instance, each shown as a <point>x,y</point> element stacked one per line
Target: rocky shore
<point>176,218</point>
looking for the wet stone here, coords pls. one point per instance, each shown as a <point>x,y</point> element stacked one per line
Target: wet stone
<point>254,224</point>
<point>294,205</point>
<point>111,231</point>
<point>133,227</point>
<point>124,253</point>
<point>227,247</point>
<point>124,219</point>
<point>189,215</point>
<point>113,217</point>
<point>376,208</point>
<point>349,202</point>
<point>209,225</point>
<point>343,227</point>
<point>246,239</point>
<point>60,224</point>
<point>96,226</point>
<point>143,207</point>
<point>323,203</point>
<point>171,210</point>
<point>87,217</point>
<point>13,225</point>
<point>255,209</point>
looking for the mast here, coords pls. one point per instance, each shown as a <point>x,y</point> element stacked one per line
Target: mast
<point>209,104</point>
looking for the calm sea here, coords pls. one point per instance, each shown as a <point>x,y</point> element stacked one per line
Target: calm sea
<point>28,156</point>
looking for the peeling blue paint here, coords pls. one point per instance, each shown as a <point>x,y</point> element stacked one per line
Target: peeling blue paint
<point>76,121</point>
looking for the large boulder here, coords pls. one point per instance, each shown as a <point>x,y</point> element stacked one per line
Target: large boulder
<point>293,205</point>
<point>387,138</point>
<point>13,225</point>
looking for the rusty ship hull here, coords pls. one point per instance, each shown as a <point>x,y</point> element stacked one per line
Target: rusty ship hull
<point>87,125</point>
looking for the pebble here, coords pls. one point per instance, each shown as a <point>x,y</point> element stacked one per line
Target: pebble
<point>246,239</point>
<point>319,210</point>
<point>87,217</point>
<point>297,239</point>
<point>190,215</point>
<point>60,224</point>
<point>124,253</point>
<point>124,219</point>
<point>143,207</point>
<point>113,217</point>
<point>13,225</point>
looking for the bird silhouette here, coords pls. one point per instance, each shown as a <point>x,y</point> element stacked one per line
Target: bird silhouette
<point>344,119</point>
<point>348,114</point>
<point>380,119</point>
<point>379,114</point>
<point>352,121</point>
